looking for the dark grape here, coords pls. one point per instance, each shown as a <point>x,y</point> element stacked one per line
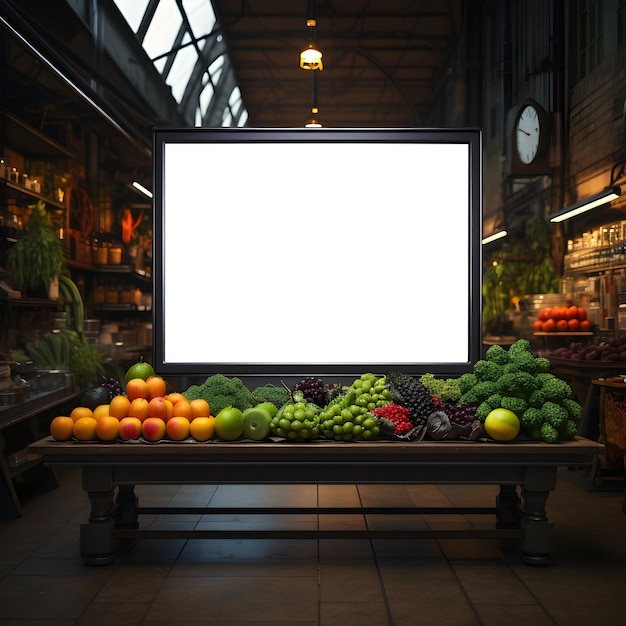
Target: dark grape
<point>313,390</point>
<point>113,386</point>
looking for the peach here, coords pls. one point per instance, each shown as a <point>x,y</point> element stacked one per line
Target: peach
<point>160,407</point>
<point>129,428</point>
<point>139,408</point>
<point>156,386</point>
<point>177,428</point>
<point>137,388</point>
<point>107,428</point>
<point>153,428</point>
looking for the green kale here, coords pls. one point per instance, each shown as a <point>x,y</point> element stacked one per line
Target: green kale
<point>487,370</point>
<point>497,354</point>
<point>519,384</point>
<point>467,381</point>
<point>532,419</point>
<point>548,433</point>
<point>482,410</point>
<point>554,414</point>
<point>515,404</point>
<point>573,408</point>
<point>478,393</point>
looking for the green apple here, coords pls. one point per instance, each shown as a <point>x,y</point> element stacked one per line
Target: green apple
<point>256,423</point>
<point>270,407</point>
<point>229,423</point>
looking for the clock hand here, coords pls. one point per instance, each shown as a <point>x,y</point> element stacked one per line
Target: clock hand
<point>521,130</point>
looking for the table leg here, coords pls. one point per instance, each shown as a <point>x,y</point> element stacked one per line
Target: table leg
<point>508,507</point>
<point>126,515</point>
<point>538,531</point>
<point>96,537</point>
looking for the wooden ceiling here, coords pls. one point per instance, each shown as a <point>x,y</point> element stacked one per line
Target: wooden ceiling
<point>384,60</point>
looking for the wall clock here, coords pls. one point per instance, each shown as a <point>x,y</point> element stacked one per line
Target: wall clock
<point>530,134</point>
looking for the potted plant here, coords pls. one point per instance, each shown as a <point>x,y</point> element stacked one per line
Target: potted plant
<point>36,260</point>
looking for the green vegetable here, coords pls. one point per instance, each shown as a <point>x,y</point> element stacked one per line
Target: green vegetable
<point>277,395</point>
<point>541,400</point>
<point>446,389</point>
<point>221,391</point>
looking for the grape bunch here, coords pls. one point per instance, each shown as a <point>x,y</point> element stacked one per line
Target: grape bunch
<point>348,417</point>
<point>461,414</point>
<point>315,390</point>
<point>113,386</point>
<point>298,420</point>
<point>410,393</point>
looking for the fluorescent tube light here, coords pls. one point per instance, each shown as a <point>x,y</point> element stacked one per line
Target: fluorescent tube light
<point>141,188</point>
<point>494,236</point>
<point>598,199</point>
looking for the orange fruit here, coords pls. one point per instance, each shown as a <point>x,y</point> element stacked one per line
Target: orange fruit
<point>202,428</point>
<point>561,325</point>
<point>549,326</point>
<point>585,325</point>
<point>183,409</point>
<point>107,428</point>
<point>85,429</point>
<point>61,427</point>
<point>81,411</point>
<point>537,326</point>
<point>118,407</point>
<point>200,408</point>
<point>100,411</point>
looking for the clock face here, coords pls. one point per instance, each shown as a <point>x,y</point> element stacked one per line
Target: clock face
<point>527,134</point>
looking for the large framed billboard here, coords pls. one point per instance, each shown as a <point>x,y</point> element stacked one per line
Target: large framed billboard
<point>316,252</point>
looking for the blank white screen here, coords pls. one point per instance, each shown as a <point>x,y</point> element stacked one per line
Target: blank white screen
<point>365,259</point>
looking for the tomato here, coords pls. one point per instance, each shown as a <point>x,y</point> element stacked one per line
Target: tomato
<point>585,325</point>
<point>561,325</point>
<point>582,314</point>
<point>537,326</point>
<point>572,312</point>
<point>502,425</point>
<point>573,324</point>
<point>549,326</point>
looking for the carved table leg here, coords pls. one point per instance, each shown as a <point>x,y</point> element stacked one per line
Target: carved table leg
<point>96,537</point>
<point>537,541</point>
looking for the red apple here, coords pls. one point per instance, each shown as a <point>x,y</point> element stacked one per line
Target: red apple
<point>153,428</point>
<point>130,428</point>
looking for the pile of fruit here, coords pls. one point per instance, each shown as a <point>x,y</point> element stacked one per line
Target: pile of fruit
<point>571,319</point>
<point>507,395</point>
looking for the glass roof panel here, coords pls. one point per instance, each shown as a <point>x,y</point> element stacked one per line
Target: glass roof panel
<point>164,27</point>
<point>175,50</point>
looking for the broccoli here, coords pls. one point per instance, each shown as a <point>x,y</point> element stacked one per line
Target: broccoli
<point>532,420</point>
<point>497,354</point>
<point>433,384</point>
<point>467,381</point>
<point>512,403</point>
<point>482,410</point>
<point>519,384</point>
<point>220,391</point>
<point>537,398</point>
<point>277,395</point>
<point>548,433</point>
<point>478,393</point>
<point>573,408</point>
<point>554,414</point>
<point>487,370</point>
<point>446,389</point>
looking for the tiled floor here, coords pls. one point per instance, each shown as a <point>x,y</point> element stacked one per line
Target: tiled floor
<point>43,580</point>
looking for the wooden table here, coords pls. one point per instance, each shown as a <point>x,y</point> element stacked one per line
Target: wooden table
<point>110,472</point>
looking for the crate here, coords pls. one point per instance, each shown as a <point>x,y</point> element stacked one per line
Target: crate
<point>613,428</point>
